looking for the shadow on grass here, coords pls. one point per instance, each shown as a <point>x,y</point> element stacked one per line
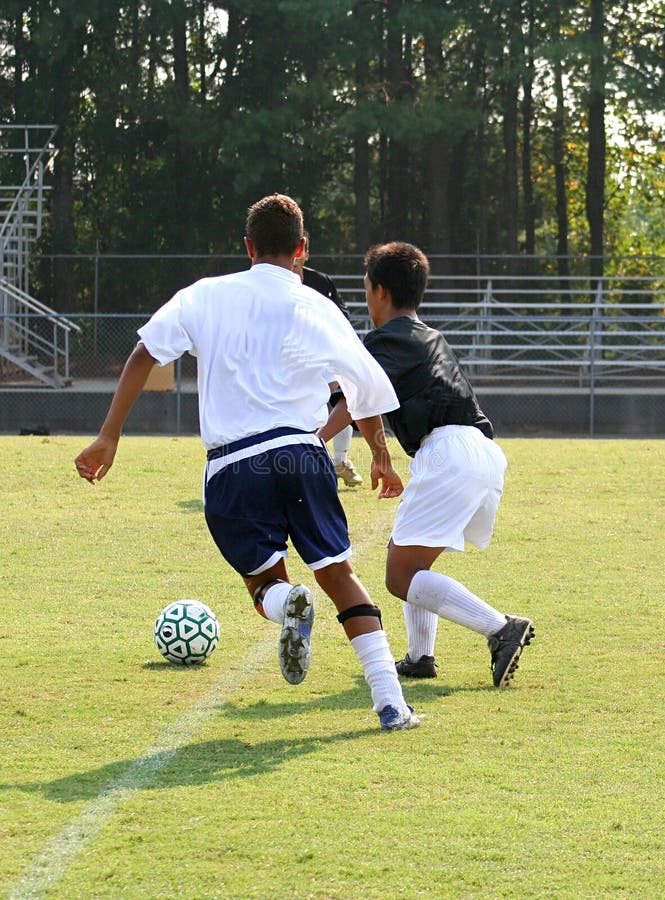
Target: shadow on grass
<point>430,689</point>
<point>193,764</point>
<point>169,668</point>
<point>357,697</point>
<point>191,505</point>
<point>415,691</point>
<point>231,757</point>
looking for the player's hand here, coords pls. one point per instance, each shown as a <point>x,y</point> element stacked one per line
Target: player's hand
<point>94,462</point>
<point>391,483</point>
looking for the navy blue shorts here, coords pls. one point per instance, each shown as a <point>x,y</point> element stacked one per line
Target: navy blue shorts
<point>256,501</point>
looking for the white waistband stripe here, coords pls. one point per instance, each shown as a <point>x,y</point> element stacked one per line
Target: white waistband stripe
<point>213,466</point>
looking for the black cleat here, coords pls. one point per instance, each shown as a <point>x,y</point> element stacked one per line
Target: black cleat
<point>425,667</point>
<point>506,645</point>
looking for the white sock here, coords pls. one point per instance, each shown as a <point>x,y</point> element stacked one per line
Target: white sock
<point>451,600</point>
<point>274,601</point>
<point>379,667</point>
<point>421,627</point>
<point>342,444</point>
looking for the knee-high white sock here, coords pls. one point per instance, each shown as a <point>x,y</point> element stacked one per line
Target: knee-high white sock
<point>379,667</point>
<point>421,628</point>
<point>342,444</point>
<point>274,601</point>
<point>451,600</point>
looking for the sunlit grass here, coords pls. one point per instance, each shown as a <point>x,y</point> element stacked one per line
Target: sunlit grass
<point>552,788</point>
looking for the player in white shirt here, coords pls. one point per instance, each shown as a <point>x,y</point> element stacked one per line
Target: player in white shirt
<point>267,351</point>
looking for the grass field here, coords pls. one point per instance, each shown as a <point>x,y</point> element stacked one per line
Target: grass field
<point>124,776</point>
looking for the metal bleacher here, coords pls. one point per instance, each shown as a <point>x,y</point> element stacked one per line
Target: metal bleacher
<point>531,330</point>
<point>34,339</point>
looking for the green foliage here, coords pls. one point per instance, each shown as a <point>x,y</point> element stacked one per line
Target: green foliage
<point>124,776</point>
<point>164,142</point>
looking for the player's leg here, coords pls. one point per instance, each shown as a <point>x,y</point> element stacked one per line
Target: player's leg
<point>319,532</point>
<point>341,442</point>
<point>244,514</point>
<point>362,623</point>
<point>453,496</point>
<point>344,468</point>
<point>421,630</point>
<point>290,606</point>
<point>408,576</point>
<point>421,624</point>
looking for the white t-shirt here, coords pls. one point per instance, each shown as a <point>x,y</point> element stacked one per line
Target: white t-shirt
<point>267,348</point>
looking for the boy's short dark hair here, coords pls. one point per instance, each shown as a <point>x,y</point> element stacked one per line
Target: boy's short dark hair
<point>400,268</point>
<point>275,225</point>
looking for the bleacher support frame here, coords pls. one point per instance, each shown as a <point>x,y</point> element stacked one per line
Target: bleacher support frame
<point>34,338</point>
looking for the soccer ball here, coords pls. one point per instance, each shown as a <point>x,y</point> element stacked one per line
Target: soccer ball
<point>186,632</point>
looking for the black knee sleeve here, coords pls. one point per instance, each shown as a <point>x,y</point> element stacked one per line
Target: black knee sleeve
<point>260,593</point>
<point>363,609</point>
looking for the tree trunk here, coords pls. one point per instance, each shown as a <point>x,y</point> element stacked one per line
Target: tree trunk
<point>397,176</point>
<point>19,56</point>
<point>361,152</point>
<point>62,216</point>
<point>509,98</point>
<point>180,70</point>
<point>361,189</point>
<point>510,181</point>
<point>595,184</point>
<point>560,175</point>
<point>182,162</point>
<point>61,69</point>
<point>203,78</point>
<point>437,165</point>
<point>527,121</point>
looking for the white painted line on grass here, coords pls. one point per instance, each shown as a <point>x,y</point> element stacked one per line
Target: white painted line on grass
<point>51,863</point>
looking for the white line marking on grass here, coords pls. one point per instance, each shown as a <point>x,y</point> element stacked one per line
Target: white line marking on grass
<point>51,863</point>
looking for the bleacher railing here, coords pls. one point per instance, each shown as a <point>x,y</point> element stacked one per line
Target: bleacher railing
<point>520,330</point>
<point>509,330</point>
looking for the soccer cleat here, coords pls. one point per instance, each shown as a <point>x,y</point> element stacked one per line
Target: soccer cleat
<point>506,646</point>
<point>392,720</point>
<point>347,473</point>
<point>295,652</point>
<point>425,667</point>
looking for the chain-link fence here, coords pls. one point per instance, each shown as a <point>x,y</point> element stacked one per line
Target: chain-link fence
<point>546,354</point>
<point>111,283</point>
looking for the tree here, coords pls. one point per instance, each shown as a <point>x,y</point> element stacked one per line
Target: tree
<point>559,152</point>
<point>595,184</point>
<point>512,128</point>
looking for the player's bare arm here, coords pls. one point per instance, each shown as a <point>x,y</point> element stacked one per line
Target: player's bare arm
<point>94,462</point>
<point>382,469</point>
<point>372,430</point>
<point>339,418</point>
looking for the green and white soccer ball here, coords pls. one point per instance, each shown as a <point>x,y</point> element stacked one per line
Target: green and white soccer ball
<point>186,632</point>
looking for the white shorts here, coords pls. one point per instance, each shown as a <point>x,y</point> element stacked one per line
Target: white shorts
<point>454,491</point>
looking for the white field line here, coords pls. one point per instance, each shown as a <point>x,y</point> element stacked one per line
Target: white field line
<point>49,866</point>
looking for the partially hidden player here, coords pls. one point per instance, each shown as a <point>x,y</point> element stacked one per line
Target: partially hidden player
<point>457,471</point>
<point>267,350</point>
<point>341,441</point>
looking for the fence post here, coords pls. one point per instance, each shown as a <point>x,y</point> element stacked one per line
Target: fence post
<point>596,312</point>
<point>178,394</point>
<point>95,301</point>
<point>67,356</point>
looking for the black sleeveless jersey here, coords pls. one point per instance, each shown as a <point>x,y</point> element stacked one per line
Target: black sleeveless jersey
<point>429,382</point>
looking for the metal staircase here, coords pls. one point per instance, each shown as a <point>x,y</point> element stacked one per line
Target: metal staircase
<point>34,339</point>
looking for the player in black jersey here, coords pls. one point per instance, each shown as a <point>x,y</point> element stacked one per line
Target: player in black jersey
<point>457,469</point>
<point>341,442</point>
